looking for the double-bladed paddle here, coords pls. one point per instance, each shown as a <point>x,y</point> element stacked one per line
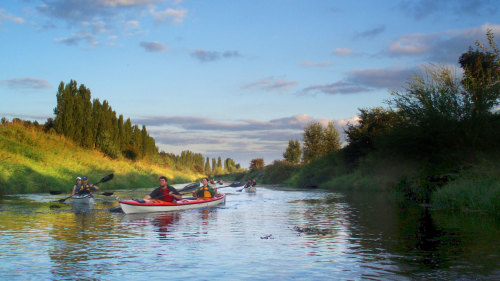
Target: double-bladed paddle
<point>105,179</point>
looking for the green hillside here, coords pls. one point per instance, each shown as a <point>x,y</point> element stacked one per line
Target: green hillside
<point>34,161</point>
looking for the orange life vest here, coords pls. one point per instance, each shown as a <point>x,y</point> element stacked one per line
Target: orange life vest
<point>204,192</point>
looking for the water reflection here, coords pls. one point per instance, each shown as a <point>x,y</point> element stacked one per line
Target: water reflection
<point>161,222</point>
<point>274,234</point>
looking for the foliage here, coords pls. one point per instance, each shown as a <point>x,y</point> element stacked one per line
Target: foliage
<point>331,138</point>
<point>312,137</point>
<point>257,163</point>
<point>319,141</point>
<point>229,165</point>
<point>279,171</point>
<point>372,123</point>
<point>293,152</point>
<point>319,170</point>
<point>94,124</point>
<point>481,75</point>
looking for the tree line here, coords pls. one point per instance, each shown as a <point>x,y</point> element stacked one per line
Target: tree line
<point>436,113</point>
<point>95,125</point>
<point>443,119</point>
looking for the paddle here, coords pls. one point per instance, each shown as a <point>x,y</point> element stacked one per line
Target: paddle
<point>241,189</point>
<point>105,179</point>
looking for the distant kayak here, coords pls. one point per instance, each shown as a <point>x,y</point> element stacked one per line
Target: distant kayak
<point>251,189</point>
<point>149,206</point>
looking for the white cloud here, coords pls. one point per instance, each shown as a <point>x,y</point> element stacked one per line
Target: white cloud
<point>315,64</point>
<point>461,8</point>
<point>340,87</point>
<point>379,78</point>
<point>77,38</point>
<point>242,140</point>
<point>439,47</point>
<point>208,56</point>
<point>169,15</point>
<point>343,52</point>
<point>271,84</point>
<point>114,3</point>
<point>4,17</point>
<point>371,32</point>
<point>33,83</point>
<point>153,46</point>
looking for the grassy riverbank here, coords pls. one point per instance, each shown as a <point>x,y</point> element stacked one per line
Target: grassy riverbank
<point>34,161</point>
<point>471,188</point>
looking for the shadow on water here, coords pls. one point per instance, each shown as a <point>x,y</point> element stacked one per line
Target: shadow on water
<point>425,243</point>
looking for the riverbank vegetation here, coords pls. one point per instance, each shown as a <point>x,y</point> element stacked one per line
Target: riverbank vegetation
<point>88,138</point>
<point>35,161</point>
<point>436,143</point>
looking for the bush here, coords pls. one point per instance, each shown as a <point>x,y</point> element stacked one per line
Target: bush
<point>279,171</point>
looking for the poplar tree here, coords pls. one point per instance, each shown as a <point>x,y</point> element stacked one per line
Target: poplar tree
<point>293,152</point>
<point>313,141</point>
<point>331,138</point>
<point>207,166</point>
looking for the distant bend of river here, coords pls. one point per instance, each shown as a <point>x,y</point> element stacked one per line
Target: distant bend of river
<point>275,234</point>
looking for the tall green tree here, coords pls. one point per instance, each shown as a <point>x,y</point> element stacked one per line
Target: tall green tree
<point>293,151</point>
<point>482,75</point>
<point>313,141</point>
<point>331,138</point>
<point>208,170</point>
<point>256,163</point>
<point>219,163</point>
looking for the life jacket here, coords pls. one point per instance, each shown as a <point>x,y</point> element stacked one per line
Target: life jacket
<point>166,197</point>
<point>204,192</point>
<point>84,189</point>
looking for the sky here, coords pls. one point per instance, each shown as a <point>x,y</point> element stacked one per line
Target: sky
<point>235,79</point>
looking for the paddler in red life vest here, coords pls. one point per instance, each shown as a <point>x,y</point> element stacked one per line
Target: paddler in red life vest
<point>164,192</point>
<point>205,191</point>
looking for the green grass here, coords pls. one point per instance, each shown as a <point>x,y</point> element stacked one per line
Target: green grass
<point>34,161</point>
<point>477,189</point>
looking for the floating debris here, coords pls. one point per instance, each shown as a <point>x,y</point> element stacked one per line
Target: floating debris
<point>270,236</point>
<point>312,230</point>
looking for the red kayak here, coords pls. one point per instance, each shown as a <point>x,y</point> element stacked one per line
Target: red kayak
<point>148,206</point>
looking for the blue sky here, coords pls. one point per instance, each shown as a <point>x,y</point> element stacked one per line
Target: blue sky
<point>228,78</point>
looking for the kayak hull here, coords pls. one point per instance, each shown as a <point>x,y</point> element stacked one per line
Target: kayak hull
<point>150,206</point>
<point>82,204</point>
<point>82,200</point>
<point>251,189</point>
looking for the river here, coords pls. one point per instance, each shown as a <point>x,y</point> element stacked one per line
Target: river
<point>275,234</point>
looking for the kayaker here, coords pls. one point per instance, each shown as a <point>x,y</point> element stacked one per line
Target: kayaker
<point>254,183</point>
<point>164,192</point>
<point>76,186</point>
<point>85,188</point>
<point>249,184</point>
<point>205,191</point>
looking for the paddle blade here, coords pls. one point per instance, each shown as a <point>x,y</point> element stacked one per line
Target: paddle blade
<point>107,193</point>
<point>64,199</point>
<point>106,178</point>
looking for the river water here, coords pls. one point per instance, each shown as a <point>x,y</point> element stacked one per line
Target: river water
<point>275,234</point>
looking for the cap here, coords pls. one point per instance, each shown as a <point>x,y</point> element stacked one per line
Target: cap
<point>84,177</point>
<point>78,178</point>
